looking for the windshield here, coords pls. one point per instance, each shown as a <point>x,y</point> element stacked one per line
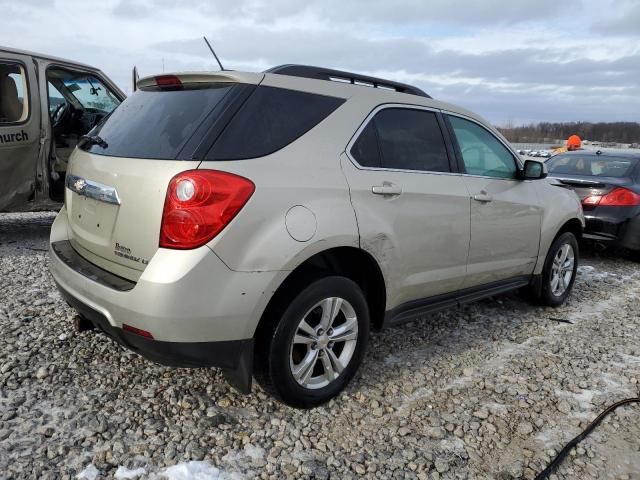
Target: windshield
<point>592,165</point>
<point>80,89</point>
<point>91,93</point>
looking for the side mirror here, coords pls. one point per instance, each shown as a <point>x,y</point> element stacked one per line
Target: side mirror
<point>534,170</point>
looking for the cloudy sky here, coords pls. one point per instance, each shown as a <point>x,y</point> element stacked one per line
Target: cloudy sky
<point>509,60</point>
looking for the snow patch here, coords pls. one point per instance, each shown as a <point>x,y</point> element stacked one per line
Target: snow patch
<point>251,451</point>
<point>254,452</point>
<point>123,473</point>
<point>195,470</point>
<point>89,473</point>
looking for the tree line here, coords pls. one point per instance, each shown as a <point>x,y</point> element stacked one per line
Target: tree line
<point>543,132</point>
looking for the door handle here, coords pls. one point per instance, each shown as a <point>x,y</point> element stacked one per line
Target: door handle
<point>482,197</point>
<point>386,189</point>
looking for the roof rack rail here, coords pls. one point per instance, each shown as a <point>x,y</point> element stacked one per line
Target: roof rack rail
<point>320,73</point>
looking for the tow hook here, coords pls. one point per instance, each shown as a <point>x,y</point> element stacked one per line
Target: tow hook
<point>81,324</point>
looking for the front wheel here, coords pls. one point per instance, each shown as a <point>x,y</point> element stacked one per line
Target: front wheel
<point>559,273</point>
<point>317,344</point>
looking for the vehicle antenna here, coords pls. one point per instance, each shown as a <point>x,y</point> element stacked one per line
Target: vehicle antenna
<point>214,53</point>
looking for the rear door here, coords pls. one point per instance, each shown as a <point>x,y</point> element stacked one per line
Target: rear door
<point>411,206</point>
<point>506,213</point>
<point>116,186</point>
<point>19,130</point>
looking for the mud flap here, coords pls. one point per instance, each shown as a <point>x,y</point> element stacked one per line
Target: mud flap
<point>241,376</point>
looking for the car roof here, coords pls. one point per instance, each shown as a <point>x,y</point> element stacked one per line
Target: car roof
<point>321,81</point>
<point>43,56</point>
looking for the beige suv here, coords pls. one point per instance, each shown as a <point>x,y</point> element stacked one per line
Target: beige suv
<point>263,223</point>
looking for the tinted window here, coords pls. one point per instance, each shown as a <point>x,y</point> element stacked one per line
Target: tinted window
<point>365,150</point>
<point>482,153</point>
<point>271,119</point>
<point>156,124</point>
<point>592,165</point>
<point>408,139</point>
<point>14,106</point>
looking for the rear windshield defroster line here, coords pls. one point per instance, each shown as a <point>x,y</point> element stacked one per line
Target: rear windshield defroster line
<point>162,124</point>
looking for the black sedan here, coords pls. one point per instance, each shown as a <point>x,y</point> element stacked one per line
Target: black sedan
<point>608,184</point>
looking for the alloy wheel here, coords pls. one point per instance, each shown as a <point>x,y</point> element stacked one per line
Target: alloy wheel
<point>562,269</point>
<point>324,343</point>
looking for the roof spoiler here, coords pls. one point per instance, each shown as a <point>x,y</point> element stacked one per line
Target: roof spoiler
<point>226,76</point>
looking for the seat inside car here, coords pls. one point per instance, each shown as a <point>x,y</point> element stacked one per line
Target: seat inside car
<point>10,104</point>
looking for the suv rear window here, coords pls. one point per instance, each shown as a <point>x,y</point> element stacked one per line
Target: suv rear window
<point>592,166</point>
<point>156,124</point>
<point>182,124</point>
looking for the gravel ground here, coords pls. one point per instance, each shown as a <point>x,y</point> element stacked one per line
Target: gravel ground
<point>491,390</point>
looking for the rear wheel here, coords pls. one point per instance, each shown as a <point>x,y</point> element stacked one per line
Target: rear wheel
<point>316,345</point>
<point>559,273</point>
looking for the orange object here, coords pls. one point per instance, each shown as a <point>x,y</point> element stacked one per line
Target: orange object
<point>574,142</point>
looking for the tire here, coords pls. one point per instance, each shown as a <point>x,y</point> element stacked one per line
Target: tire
<point>557,286</point>
<point>288,347</point>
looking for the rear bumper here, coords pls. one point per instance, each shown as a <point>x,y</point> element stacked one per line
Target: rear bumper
<point>235,357</point>
<point>199,312</point>
<point>616,225</point>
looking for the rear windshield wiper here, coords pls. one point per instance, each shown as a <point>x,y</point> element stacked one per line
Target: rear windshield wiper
<point>88,140</point>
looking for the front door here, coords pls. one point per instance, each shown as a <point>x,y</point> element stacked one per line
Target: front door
<point>412,208</point>
<point>19,130</point>
<point>506,214</point>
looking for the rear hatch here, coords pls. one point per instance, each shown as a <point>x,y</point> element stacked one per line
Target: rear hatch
<point>117,181</point>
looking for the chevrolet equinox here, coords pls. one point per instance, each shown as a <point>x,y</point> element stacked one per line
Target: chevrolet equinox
<point>264,223</point>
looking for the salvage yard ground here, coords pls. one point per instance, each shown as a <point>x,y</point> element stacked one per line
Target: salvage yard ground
<point>490,390</point>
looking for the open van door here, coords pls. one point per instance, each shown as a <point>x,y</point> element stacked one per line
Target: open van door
<point>20,132</point>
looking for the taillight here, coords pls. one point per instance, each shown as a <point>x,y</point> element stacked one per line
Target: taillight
<point>618,197</point>
<point>199,204</point>
<point>168,82</point>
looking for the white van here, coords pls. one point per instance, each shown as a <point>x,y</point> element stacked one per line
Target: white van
<point>46,105</point>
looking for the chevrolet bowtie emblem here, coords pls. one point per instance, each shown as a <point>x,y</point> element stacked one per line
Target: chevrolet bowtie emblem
<point>79,185</point>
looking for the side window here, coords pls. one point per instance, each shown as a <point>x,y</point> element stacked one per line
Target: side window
<point>482,153</point>
<point>275,117</point>
<point>14,101</point>
<point>411,140</point>
<point>365,150</point>
<point>408,139</point>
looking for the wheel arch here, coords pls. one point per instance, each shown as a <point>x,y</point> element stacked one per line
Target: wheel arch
<point>351,262</point>
<point>572,225</point>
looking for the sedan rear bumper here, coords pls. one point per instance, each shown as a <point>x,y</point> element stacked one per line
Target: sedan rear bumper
<point>619,226</point>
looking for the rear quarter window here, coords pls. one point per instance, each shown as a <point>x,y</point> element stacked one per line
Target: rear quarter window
<point>269,120</point>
